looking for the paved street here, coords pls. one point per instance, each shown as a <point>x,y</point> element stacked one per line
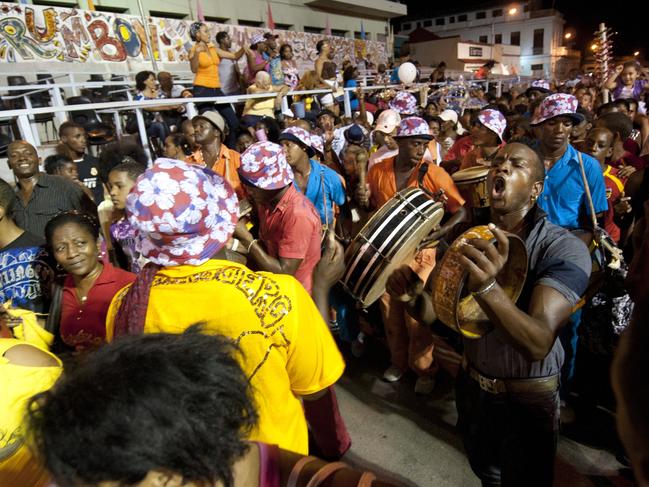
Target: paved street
<point>412,439</point>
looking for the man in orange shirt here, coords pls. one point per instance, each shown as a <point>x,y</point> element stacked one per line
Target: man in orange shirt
<point>209,129</point>
<point>411,345</point>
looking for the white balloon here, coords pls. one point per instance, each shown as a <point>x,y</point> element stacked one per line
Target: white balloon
<point>407,73</point>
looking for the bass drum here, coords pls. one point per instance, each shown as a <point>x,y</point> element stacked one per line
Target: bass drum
<point>388,240</point>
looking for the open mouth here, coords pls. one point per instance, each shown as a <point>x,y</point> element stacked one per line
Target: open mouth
<point>497,188</point>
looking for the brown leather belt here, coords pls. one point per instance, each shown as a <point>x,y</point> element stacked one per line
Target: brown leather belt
<point>514,386</point>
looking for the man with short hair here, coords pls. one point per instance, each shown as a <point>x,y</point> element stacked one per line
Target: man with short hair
<point>209,132</point>
<point>39,196</point>
<point>168,87</point>
<point>74,144</point>
<point>507,389</point>
<point>229,73</point>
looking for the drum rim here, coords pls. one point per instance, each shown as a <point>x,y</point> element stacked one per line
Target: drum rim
<point>474,178</point>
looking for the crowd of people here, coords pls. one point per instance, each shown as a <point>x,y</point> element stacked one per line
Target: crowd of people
<point>181,321</point>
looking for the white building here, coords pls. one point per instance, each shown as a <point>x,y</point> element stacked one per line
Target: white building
<point>539,33</point>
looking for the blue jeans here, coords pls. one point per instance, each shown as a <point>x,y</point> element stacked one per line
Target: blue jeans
<point>225,110</point>
<point>510,439</point>
<point>569,337</point>
<point>159,130</point>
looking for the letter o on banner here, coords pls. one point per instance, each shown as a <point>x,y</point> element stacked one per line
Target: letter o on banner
<point>128,37</point>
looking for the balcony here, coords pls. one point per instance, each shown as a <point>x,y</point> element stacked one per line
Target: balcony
<point>370,9</point>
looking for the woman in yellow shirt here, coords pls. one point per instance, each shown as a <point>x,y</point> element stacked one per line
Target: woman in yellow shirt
<point>204,59</point>
<point>25,370</point>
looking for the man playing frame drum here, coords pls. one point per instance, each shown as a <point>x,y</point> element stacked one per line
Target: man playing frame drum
<point>507,391</point>
<point>411,345</point>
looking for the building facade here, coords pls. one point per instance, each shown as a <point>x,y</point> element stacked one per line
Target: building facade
<point>538,33</point>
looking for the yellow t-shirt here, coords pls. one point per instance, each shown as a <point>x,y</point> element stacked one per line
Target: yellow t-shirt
<point>18,383</point>
<point>288,350</point>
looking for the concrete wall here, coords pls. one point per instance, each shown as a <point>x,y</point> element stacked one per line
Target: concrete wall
<point>431,53</point>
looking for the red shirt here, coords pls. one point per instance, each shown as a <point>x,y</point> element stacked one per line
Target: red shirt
<point>292,230</point>
<point>83,325</point>
<point>614,189</point>
<point>459,149</point>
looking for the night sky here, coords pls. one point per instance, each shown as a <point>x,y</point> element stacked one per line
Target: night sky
<point>626,18</point>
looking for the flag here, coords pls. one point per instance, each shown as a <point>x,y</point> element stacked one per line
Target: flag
<point>327,30</point>
<point>91,5</point>
<point>270,23</point>
<point>199,11</point>
<point>362,31</point>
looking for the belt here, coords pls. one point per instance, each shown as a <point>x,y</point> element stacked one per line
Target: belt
<point>499,386</point>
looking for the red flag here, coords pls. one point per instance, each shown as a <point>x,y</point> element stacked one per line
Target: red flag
<point>270,23</point>
<point>199,11</point>
<point>327,30</point>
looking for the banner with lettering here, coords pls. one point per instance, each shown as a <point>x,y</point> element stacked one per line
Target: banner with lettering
<point>31,33</point>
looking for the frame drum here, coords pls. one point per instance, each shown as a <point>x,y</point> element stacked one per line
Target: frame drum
<point>388,240</point>
<point>453,304</point>
<point>472,185</point>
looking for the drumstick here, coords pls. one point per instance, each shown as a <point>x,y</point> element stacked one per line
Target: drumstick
<point>361,168</point>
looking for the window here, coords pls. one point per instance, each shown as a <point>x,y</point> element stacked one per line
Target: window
<point>338,33</point>
<point>537,47</point>
<point>462,18</point>
<point>536,67</point>
<point>498,39</point>
<point>218,20</point>
<point>283,26</point>
<point>381,37</point>
<point>428,23</point>
<point>407,26</point>
<point>251,23</point>
<point>113,10</point>
<point>357,35</point>
<point>418,24</point>
<point>483,39</point>
<point>475,51</point>
<point>497,13</point>
<point>440,21</point>
<point>515,38</point>
<point>313,30</point>
<point>451,20</point>
<point>48,3</point>
<point>167,15</point>
<point>481,15</point>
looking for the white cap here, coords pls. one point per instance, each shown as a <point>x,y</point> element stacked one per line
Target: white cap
<point>388,120</point>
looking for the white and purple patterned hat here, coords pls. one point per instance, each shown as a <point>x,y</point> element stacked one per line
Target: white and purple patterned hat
<point>494,121</point>
<point>317,144</point>
<point>182,213</point>
<point>559,104</point>
<point>414,127</point>
<point>299,136</point>
<point>404,103</point>
<point>264,166</point>
<point>539,85</point>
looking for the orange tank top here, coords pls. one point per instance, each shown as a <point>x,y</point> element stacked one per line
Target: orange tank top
<point>207,74</point>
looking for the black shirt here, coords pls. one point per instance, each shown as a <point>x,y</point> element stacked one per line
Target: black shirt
<point>88,169</point>
<point>51,195</point>
<point>26,273</point>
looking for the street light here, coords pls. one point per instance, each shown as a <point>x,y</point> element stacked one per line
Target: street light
<point>568,35</point>
<point>513,11</point>
<point>636,54</point>
<point>593,47</point>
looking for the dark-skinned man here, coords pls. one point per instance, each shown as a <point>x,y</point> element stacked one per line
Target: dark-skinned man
<point>209,132</point>
<point>40,196</point>
<point>507,391</point>
<point>289,225</point>
<point>411,345</point>
<point>74,144</point>
<point>564,195</point>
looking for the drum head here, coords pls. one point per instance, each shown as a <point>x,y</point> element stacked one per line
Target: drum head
<point>454,305</point>
<point>388,240</point>
<point>470,175</point>
<point>406,251</point>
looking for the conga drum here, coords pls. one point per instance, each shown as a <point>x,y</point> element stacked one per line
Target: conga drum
<point>472,185</point>
<point>453,304</point>
<point>388,240</point>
